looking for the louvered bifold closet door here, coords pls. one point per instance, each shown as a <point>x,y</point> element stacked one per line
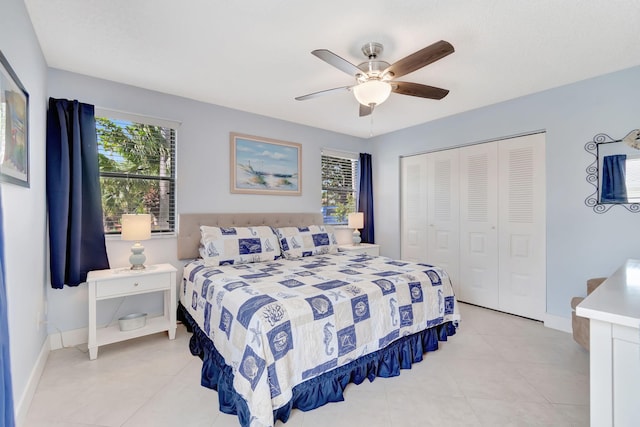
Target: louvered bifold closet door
<point>413,184</point>
<point>443,212</point>
<point>479,225</point>
<point>522,240</point>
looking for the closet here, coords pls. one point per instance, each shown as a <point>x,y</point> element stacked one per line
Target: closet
<point>479,212</point>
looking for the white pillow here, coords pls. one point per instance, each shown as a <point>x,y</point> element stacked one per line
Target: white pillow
<point>297,242</point>
<point>238,245</point>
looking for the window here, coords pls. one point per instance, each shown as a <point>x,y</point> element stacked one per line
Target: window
<point>339,179</point>
<point>632,179</point>
<point>137,169</point>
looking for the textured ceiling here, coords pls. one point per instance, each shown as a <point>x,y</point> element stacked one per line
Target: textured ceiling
<point>254,55</point>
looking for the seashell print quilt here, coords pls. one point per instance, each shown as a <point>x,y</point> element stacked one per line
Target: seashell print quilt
<point>280,323</point>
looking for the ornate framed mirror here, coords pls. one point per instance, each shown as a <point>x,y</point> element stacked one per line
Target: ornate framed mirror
<point>614,172</point>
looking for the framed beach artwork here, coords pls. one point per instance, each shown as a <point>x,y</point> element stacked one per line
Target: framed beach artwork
<point>265,166</point>
<point>14,129</point>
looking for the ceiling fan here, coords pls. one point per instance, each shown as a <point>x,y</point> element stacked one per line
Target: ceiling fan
<point>375,78</point>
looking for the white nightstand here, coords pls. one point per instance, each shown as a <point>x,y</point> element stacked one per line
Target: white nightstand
<point>363,248</point>
<point>122,282</point>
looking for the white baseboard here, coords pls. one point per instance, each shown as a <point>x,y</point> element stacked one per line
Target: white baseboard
<point>23,404</point>
<point>55,341</point>
<point>557,322</point>
<point>72,338</point>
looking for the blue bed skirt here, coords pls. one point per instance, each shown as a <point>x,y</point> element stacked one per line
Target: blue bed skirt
<point>315,392</point>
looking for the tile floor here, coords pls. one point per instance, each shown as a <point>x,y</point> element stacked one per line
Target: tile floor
<point>497,370</point>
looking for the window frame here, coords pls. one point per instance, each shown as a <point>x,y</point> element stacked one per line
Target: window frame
<point>354,158</point>
<point>632,178</point>
<point>171,179</point>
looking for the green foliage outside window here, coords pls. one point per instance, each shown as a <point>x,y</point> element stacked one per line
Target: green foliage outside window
<point>338,188</point>
<point>136,172</point>
<point>343,209</point>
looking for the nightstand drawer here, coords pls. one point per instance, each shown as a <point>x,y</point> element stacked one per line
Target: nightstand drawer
<point>132,285</point>
<point>363,248</point>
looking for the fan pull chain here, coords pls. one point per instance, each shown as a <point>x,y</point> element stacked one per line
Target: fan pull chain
<point>371,128</point>
<point>372,106</point>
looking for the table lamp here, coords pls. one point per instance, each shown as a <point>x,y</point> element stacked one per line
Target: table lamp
<point>136,228</point>
<point>356,221</point>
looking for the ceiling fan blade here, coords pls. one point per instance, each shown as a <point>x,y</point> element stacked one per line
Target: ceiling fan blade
<point>337,61</point>
<point>420,58</point>
<point>322,92</point>
<point>365,111</point>
<point>416,89</point>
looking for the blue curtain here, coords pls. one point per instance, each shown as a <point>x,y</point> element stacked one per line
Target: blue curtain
<point>614,189</point>
<point>76,234</point>
<point>365,198</point>
<point>6,404</point>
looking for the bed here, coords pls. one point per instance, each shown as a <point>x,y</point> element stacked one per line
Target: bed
<point>288,322</point>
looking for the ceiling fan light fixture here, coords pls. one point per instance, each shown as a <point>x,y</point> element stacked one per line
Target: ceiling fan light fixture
<point>372,92</point>
<point>375,79</point>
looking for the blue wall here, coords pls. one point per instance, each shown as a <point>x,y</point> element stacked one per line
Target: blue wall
<point>24,211</point>
<point>580,243</point>
<point>202,176</point>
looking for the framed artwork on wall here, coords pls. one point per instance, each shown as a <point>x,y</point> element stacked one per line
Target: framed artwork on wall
<point>265,166</point>
<point>14,127</point>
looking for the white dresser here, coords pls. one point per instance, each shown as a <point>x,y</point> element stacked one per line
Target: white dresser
<point>614,313</point>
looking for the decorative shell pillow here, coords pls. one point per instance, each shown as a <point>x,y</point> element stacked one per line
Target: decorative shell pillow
<point>297,242</point>
<point>238,245</point>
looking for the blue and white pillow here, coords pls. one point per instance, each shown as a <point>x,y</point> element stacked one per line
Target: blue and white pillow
<point>238,245</point>
<point>297,242</point>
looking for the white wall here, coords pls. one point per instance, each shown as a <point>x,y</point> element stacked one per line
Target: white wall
<point>202,175</point>
<point>24,209</point>
<point>580,243</point>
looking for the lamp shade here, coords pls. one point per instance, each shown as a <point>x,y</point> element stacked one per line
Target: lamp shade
<point>372,92</point>
<point>136,227</point>
<point>356,220</point>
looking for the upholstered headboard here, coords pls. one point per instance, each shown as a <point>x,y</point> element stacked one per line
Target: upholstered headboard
<point>189,225</point>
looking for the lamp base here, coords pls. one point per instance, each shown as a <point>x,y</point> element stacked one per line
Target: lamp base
<point>356,237</point>
<point>137,257</point>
